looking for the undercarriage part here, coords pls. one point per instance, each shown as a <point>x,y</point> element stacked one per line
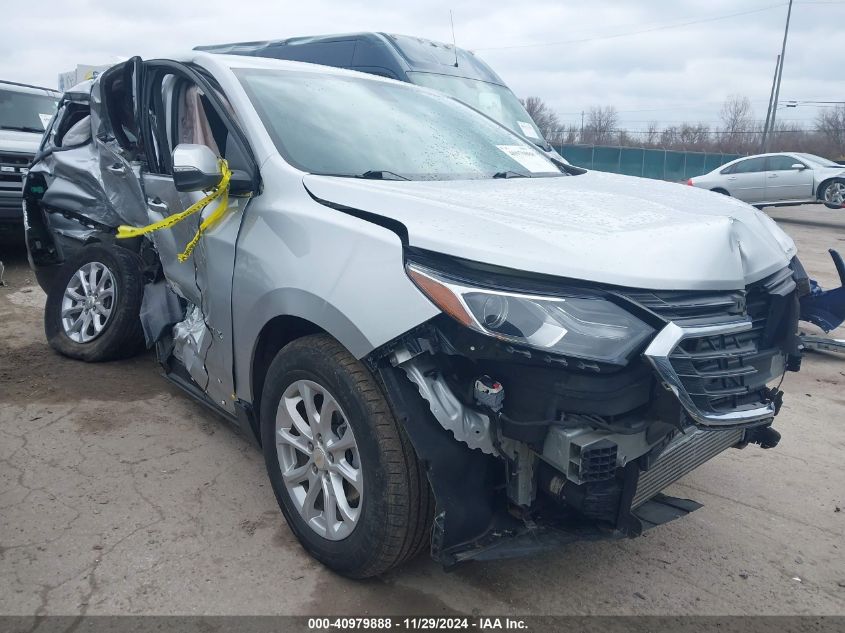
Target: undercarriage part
<point>683,454</point>
<point>765,436</point>
<point>539,538</point>
<point>521,472</point>
<point>813,343</point>
<point>467,425</point>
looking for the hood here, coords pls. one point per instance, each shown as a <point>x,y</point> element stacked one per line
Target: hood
<point>597,227</point>
<point>21,142</point>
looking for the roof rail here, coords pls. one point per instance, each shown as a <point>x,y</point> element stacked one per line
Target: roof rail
<point>15,83</point>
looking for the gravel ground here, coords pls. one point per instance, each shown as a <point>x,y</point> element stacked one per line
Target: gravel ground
<point>119,494</point>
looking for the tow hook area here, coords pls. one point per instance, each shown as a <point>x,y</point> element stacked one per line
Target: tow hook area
<point>765,436</point>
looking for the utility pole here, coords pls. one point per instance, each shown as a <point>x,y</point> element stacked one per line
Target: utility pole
<point>769,110</point>
<point>581,137</point>
<point>780,75</point>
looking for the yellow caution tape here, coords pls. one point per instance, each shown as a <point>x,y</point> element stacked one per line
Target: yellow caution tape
<point>221,191</point>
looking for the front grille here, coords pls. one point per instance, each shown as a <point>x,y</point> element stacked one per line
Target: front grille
<point>13,168</point>
<point>683,454</point>
<point>728,372</point>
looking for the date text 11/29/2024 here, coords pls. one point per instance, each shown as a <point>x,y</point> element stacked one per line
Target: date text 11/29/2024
<point>417,623</point>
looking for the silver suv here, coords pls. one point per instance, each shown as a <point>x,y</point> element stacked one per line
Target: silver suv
<point>24,113</point>
<point>440,338</point>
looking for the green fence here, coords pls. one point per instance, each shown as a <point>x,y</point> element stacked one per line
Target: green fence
<point>649,163</point>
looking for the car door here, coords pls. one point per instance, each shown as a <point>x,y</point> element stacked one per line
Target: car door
<point>182,107</point>
<point>785,183</point>
<point>744,179</point>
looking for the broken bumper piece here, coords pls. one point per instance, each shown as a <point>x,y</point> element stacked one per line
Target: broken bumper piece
<point>503,543</point>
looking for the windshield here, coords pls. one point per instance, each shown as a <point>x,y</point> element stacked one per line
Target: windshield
<point>496,101</point>
<point>824,162</point>
<point>351,126</point>
<point>25,111</point>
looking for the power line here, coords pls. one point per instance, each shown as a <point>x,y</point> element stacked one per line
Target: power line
<point>638,32</point>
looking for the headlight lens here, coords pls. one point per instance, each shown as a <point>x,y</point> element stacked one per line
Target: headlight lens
<point>590,328</point>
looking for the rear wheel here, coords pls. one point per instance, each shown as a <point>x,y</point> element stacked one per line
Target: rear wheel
<point>833,194</point>
<point>93,305</point>
<point>343,471</point>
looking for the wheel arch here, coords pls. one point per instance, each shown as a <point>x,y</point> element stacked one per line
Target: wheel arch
<point>721,190</point>
<point>824,183</point>
<point>274,335</point>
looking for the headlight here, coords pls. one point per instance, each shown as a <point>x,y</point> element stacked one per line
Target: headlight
<point>591,328</point>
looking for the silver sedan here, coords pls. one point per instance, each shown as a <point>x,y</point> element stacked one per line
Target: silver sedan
<point>778,180</point>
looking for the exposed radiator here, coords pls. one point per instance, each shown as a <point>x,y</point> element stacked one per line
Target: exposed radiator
<point>684,454</point>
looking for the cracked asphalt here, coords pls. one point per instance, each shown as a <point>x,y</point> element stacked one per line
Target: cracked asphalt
<point>120,495</point>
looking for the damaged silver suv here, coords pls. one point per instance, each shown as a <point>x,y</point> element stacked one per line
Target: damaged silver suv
<point>440,338</point>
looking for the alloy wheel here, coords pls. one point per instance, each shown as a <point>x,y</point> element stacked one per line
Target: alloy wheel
<point>319,459</point>
<point>834,194</point>
<point>88,302</point>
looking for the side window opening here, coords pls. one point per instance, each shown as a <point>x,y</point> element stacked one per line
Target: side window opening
<point>73,126</point>
<point>119,96</point>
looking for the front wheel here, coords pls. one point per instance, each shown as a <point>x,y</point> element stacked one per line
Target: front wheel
<point>344,473</point>
<point>93,305</point>
<point>833,194</point>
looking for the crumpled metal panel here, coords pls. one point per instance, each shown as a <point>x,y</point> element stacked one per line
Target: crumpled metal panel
<point>94,179</point>
<point>191,340</point>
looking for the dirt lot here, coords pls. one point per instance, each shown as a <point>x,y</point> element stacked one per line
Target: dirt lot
<point>118,494</point>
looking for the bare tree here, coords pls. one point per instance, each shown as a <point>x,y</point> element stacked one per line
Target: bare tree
<point>737,124</point>
<point>544,117</point>
<point>601,125</point>
<point>830,125</point>
<point>652,135</point>
<point>694,136</point>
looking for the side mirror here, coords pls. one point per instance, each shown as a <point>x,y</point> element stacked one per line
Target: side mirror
<point>195,167</point>
<point>799,166</point>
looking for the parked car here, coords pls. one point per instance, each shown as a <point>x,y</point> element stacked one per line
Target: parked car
<point>24,113</point>
<point>781,179</point>
<point>440,338</point>
<point>455,71</point>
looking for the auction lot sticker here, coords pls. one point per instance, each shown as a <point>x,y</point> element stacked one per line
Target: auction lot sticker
<point>529,158</point>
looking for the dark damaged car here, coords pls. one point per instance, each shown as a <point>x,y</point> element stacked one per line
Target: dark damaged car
<point>441,339</point>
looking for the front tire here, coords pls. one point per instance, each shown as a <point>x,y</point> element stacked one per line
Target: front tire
<point>94,303</point>
<point>832,194</point>
<point>344,473</point>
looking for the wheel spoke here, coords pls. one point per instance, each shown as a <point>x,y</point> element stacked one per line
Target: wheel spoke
<point>297,475</point>
<point>86,324</point>
<point>329,506</point>
<point>76,325</point>
<point>93,284</point>
<point>307,393</point>
<point>342,443</point>
<point>74,309</point>
<point>72,294</point>
<point>296,441</point>
<point>296,419</point>
<point>350,474</point>
<point>309,510</point>
<point>346,511</point>
<point>83,282</point>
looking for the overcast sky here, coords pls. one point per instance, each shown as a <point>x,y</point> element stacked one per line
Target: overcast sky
<point>642,57</point>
